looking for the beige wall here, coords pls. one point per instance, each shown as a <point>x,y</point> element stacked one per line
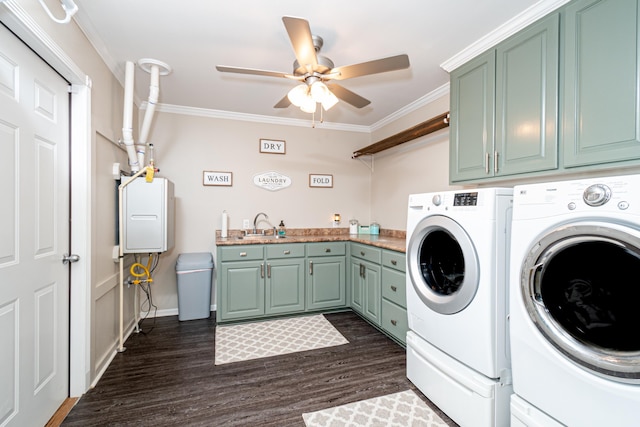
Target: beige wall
<point>417,166</point>
<point>185,146</point>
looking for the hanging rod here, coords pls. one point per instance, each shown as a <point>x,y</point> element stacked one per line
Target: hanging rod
<point>424,128</point>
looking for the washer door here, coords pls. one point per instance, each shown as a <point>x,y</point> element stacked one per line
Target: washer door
<point>443,264</point>
<point>581,289</point>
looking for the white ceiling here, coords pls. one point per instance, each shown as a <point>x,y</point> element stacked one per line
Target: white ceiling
<point>193,36</point>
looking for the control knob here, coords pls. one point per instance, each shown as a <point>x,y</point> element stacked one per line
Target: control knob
<point>596,195</point>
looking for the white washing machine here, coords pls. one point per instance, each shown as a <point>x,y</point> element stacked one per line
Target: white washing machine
<point>574,296</point>
<point>457,351</point>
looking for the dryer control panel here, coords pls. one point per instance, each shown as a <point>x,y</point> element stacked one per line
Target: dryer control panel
<point>465,199</point>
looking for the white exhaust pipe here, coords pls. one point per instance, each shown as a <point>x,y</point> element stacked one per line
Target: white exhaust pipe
<point>156,69</point>
<point>127,117</point>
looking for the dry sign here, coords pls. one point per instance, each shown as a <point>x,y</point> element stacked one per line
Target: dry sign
<point>273,146</point>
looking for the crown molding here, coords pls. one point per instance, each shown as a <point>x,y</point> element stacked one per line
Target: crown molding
<point>256,118</point>
<point>414,106</point>
<point>520,21</point>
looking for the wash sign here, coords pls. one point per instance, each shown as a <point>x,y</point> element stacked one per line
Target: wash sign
<point>271,180</point>
<point>224,179</point>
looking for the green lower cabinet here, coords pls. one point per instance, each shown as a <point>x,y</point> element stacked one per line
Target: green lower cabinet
<point>257,281</point>
<point>394,295</point>
<point>241,292</point>
<point>284,290</point>
<point>326,282</point>
<point>365,289</point>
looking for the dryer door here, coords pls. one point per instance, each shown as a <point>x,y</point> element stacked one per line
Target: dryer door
<point>443,264</point>
<point>580,286</point>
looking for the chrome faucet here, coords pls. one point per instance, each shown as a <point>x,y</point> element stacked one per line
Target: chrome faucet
<point>255,221</point>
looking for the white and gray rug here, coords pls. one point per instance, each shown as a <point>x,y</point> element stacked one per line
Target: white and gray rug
<point>403,409</point>
<point>235,343</point>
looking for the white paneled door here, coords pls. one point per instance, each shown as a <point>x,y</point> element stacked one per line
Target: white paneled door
<point>34,236</point>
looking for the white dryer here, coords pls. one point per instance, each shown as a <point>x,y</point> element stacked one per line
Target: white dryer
<point>457,351</point>
<point>574,294</point>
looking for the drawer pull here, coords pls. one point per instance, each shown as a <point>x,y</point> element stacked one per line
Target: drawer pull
<point>286,252</point>
<point>361,253</point>
<point>327,250</point>
<point>243,254</point>
<point>311,268</point>
<point>394,288</point>
<point>394,322</point>
<point>394,262</point>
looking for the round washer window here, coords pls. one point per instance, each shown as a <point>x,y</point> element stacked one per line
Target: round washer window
<point>443,265</point>
<point>581,288</point>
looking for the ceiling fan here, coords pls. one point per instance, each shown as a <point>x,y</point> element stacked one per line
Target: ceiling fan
<point>314,71</point>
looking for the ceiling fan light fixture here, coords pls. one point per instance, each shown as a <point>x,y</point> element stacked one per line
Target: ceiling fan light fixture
<point>299,95</point>
<point>309,105</point>
<point>319,91</point>
<point>329,101</point>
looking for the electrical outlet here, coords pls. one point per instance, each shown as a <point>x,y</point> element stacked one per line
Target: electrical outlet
<point>246,224</point>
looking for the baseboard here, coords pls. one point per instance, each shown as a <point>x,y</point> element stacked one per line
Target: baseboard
<point>165,312</point>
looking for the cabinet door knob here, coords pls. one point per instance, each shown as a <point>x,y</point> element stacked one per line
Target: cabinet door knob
<point>393,288</point>
<point>286,252</point>
<point>262,271</point>
<point>327,250</point>
<point>243,254</point>
<point>486,163</point>
<point>361,253</point>
<point>269,271</point>
<point>495,161</point>
<point>394,322</point>
<point>311,268</point>
<point>394,262</point>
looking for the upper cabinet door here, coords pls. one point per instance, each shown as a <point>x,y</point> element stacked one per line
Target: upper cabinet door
<point>601,82</point>
<point>527,100</point>
<point>472,118</point>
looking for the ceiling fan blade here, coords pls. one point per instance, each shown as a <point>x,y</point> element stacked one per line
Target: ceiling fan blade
<point>283,103</point>
<point>383,65</point>
<point>254,71</point>
<point>349,97</point>
<point>300,35</point>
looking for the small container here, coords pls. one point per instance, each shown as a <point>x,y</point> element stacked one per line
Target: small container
<point>282,231</point>
<point>374,228</point>
<point>353,226</point>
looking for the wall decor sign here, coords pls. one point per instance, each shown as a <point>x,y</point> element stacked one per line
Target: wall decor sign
<point>224,179</point>
<point>320,180</point>
<point>272,181</point>
<point>273,146</point>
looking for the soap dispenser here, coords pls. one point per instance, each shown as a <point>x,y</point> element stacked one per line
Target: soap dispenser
<point>281,230</point>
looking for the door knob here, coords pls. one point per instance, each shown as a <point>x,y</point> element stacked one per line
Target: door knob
<point>69,258</point>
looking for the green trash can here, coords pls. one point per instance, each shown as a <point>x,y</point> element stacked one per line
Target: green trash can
<point>194,274</point>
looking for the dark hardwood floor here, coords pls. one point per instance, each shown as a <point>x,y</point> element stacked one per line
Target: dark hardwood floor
<point>167,377</point>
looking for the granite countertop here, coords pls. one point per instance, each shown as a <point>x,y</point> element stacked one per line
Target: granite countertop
<point>387,239</point>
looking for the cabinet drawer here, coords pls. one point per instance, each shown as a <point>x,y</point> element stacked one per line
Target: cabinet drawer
<point>326,249</point>
<point>394,286</point>
<point>241,253</point>
<point>395,260</point>
<point>394,320</point>
<point>365,252</point>
<point>291,250</point>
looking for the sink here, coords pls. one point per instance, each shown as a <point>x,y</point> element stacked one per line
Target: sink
<point>259,237</point>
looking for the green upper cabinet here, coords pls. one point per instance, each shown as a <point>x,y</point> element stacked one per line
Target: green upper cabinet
<point>472,117</point>
<point>504,107</point>
<point>527,100</point>
<point>601,86</point>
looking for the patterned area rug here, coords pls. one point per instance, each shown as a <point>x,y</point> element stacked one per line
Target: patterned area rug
<point>248,341</point>
<point>403,409</point>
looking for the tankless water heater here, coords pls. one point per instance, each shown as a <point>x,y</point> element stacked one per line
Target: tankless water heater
<point>148,216</point>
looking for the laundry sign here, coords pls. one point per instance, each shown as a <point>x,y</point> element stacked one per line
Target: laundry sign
<point>271,180</point>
